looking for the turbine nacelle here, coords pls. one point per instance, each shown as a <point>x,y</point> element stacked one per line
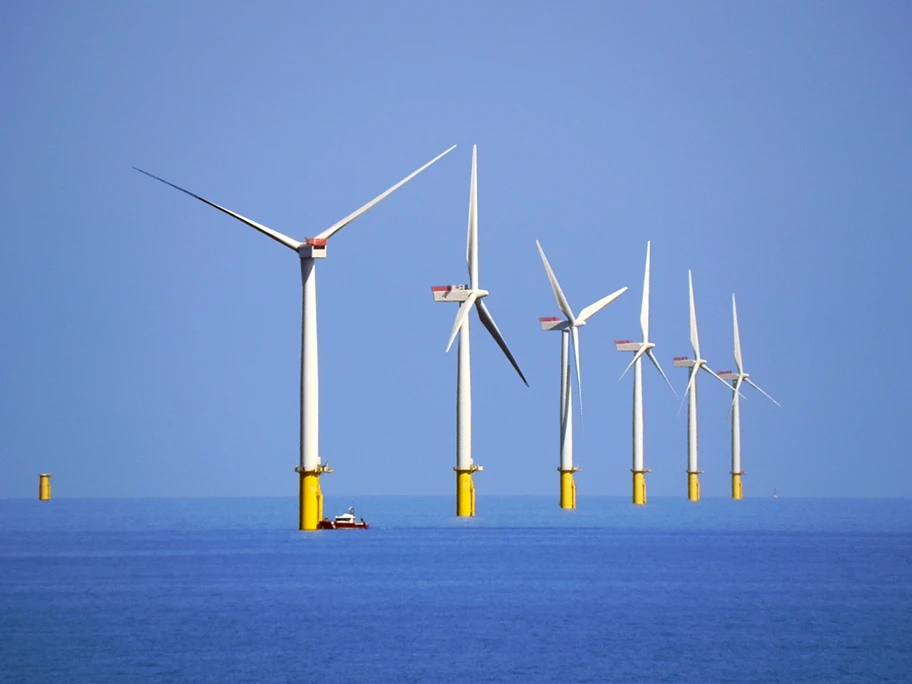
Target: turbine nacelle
<point>640,350</point>
<point>556,323</point>
<point>312,248</point>
<point>628,345</point>
<point>553,323</point>
<point>456,293</point>
<point>685,362</point>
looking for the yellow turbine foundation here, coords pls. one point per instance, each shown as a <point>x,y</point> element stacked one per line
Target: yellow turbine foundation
<point>465,492</point>
<point>567,488</point>
<point>44,486</point>
<point>737,490</point>
<point>693,485</point>
<point>639,486</point>
<point>310,497</point>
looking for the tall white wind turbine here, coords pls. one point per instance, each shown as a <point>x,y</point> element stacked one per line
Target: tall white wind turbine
<point>569,327</point>
<point>640,349</point>
<point>696,365</point>
<point>467,296</point>
<point>737,379</point>
<point>310,468</point>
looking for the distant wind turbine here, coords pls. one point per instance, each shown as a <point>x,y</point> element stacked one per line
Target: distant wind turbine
<point>467,296</point>
<point>567,327</point>
<point>640,349</point>
<point>737,379</point>
<point>310,468</point>
<point>696,365</point>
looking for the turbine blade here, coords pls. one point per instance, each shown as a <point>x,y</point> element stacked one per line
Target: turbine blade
<point>735,393</point>
<point>274,234</point>
<point>713,373</point>
<point>566,400</point>
<point>489,323</point>
<point>555,286</point>
<point>464,309</point>
<point>644,310</point>
<point>574,331</point>
<point>694,337</point>
<point>472,232</point>
<point>655,363</point>
<point>599,305</point>
<point>639,353</point>
<point>757,387</point>
<point>339,225</point>
<point>690,383</point>
<point>738,361</point>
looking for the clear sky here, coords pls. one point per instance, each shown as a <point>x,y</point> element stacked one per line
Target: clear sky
<point>150,345</point>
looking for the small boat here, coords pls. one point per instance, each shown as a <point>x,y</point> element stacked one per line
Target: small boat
<point>775,495</point>
<point>346,521</point>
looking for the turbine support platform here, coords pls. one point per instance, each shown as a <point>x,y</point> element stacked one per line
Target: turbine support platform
<point>44,486</point>
<point>737,489</point>
<point>693,484</point>
<point>567,488</point>
<point>465,491</point>
<point>639,486</point>
<point>310,497</point>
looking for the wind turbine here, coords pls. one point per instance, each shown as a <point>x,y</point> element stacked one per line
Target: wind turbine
<point>737,379</point>
<point>467,296</point>
<point>310,467</point>
<point>695,365</point>
<point>640,349</point>
<point>569,327</point>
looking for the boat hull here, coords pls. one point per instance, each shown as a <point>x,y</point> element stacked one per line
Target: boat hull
<point>327,524</point>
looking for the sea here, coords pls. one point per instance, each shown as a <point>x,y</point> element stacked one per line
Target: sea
<point>227,590</point>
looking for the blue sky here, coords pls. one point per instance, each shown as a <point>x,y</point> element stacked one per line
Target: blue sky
<point>151,344</point>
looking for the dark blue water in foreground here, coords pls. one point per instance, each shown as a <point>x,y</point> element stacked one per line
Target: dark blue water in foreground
<point>203,590</point>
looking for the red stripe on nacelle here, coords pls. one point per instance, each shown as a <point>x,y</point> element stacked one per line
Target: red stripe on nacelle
<point>548,319</point>
<point>623,341</point>
<point>441,288</point>
<point>315,242</point>
<point>679,358</point>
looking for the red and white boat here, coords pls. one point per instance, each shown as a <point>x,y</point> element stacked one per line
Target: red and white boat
<point>346,521</point>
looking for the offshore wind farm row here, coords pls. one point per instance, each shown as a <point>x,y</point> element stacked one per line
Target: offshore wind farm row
<point>311,467</point>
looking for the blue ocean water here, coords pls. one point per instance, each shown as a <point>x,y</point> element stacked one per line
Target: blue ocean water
<point>226,590</point>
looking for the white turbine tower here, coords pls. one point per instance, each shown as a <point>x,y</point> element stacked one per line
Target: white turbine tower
<point>467,296</point>
<point>737,379</point>
<point>310,467</point>
<point>696,365</point>
<point>640,349</point>
<point>567,327</point>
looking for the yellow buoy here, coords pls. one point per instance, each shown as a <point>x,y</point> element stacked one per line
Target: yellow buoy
<point>44,486</point>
